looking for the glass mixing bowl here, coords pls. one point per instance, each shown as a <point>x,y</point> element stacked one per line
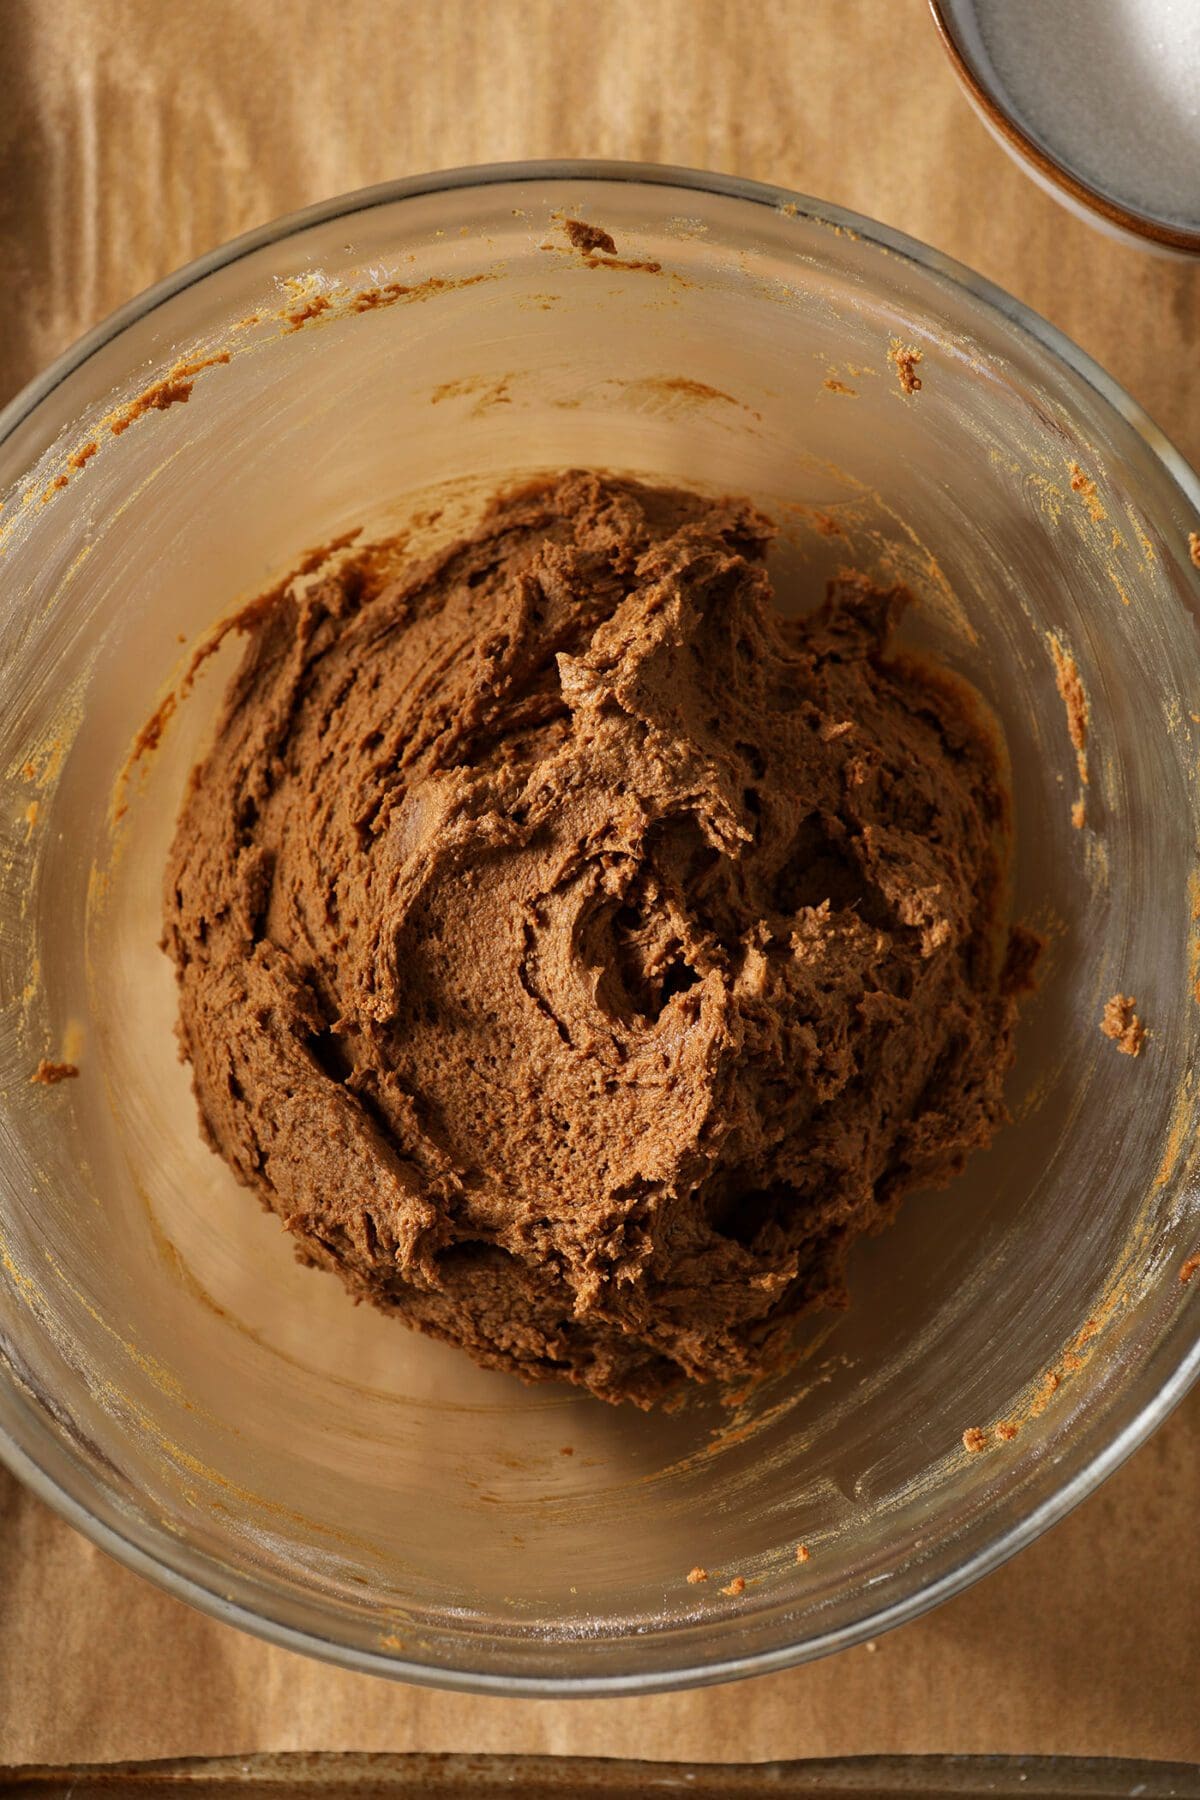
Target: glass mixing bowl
<point>226,1421</point>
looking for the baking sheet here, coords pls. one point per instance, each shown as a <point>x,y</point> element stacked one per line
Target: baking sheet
<point>135,134</point>
<point>465,1777</point>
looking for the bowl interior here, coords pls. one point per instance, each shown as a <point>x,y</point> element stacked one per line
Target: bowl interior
<point>230,1416</point>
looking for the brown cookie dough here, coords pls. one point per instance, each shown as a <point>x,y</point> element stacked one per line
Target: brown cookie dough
<point>576,954</point>
<point>49,1074</point>
<point>592,239</point>
<point>1120,1022</point>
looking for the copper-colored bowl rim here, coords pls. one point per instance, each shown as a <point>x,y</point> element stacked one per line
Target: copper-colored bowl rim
<point>1171,237</point>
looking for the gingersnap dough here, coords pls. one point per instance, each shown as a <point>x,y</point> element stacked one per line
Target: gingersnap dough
<point>577,954</point>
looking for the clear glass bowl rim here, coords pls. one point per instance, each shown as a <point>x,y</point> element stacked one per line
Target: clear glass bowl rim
<point>1174,1363</point>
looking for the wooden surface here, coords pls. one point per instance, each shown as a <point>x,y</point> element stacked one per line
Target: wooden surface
<point>135,134</point>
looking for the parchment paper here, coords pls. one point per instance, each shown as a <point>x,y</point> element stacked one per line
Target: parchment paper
<point>135,134</point>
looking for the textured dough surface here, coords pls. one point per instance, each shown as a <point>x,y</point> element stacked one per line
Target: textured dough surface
<point>576,954</point>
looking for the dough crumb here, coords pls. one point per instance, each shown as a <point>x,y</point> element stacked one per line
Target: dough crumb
<point>802,1553</point>
<point>1079,814</point>
<point>736,1586</point>
<point>49,1074</point>
<point>906,357</point>
<point>1007,1430</point>
<point>974,1440</point>
<point>1050,1381</point>
<point>589,238</point>
<point>567,1450</point>
<point>696,1575</point>
<point>312,309</point>
<point>1083,485</point>
<point>1194,547</point>
<point>1071,691</point>
<point>1121,1023</point>
<point>176,386</point>
<point>871,1646</point>
<point>1190,1268</point>
<point>841,387</point>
